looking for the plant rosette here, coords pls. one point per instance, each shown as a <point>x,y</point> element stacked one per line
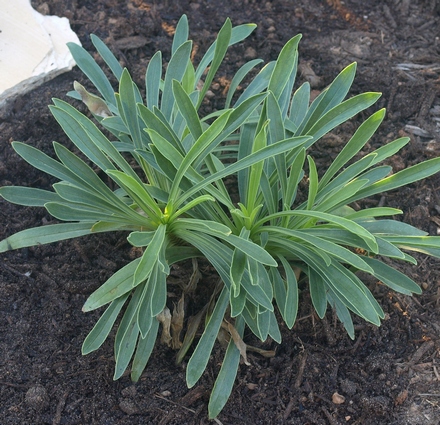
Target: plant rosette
<point>265,247</point>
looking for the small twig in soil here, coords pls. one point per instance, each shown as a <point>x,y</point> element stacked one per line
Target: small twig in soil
<point>173,402</point>
<point>428,395</point>
<point>16,272</point>
<point>289,409</point>
<point>302,365</point>
<point>421,351</point>
<point>436,373</point>
<point>330,418</point>
<point>60,407</point>
<point>10,384</point>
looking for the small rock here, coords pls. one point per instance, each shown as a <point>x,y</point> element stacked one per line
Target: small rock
<point>401,398</point>
<point>129,391</point>
<point>37,398</point>
<point>348,387</point>
<point>378,405</point>
<point>338,398</point>
<point>250,53</point>
<point>128,407</point>
<point>133,42</point>
<point>43,9</point>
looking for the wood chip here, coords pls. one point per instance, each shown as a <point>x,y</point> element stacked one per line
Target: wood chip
<point>133,42</point>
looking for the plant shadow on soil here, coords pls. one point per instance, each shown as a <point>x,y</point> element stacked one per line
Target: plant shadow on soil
<point>387,375</point>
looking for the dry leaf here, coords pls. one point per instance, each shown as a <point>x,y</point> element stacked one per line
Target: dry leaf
<point>401,397</point>
<point>165,319</point>
<point>177,323</point>
<point>264,353</point>
<point>195,277</point>
<point>95,104</point>
<point>192,326</point>
<point>307,72</point>
<point>238,343</point>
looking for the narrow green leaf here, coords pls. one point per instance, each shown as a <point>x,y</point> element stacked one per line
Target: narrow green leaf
<point>152,80</point>
<point>181,34</point>
<point>128,103</point>
<point>402,178</point>
<point>143,351</point>
<point>284,66</point>
<point>279,289</point>
<point>28,196</point>
<point>341,113</point>
<point>292,296</point>
<point>329,98</point>
<point>45,234</point>
<point>197,150</point>
<point>342,312</point>
<point>429,245</point>
<point>188,110</point>
<point>256,170</point>
<point>393,278</point>
<point>238,34</point>
<point>221,45</point>
<point>96,137</point>
<point>294,178</point>
<point>336,198</point>
<point>150,256</point>
<point>117,285</point>
<point>349,225</point>
<point>127,335</point>
<point>258,84</point>
<point>141,238</point>
<point>103,326</point>
<point>369,213</point>
<point>107,55</point>
<point>248,161</point>
<point>238,78</point>
<point>144,316</point>
<point>80,212</point>
<point>225,379</point>
<point>263,323</point>
<point>137,193</point>
<point>238,302</point>
<point>391,227</point>
<point>43,162</point>
<point>354,294</point>
<point>313,182</point>
<point>84,175</point>
<point>353,146</point>
<point>199,359</point>
<point>78,195</point>
<point>238,265</point>
<point>175,71</point>
<point>159,296</point>
<point>318,292</point>
<point>93,72</point>
<point>277,133</point>
<point>299,105</point>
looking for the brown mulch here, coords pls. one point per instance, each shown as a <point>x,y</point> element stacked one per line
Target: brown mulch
<point>387,375</point>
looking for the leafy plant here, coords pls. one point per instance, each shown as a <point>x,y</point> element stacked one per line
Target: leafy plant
<point>178,206</point>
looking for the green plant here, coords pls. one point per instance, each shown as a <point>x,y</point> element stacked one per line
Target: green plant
<point>178,206</point>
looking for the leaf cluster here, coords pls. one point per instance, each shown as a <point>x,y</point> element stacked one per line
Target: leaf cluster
<point>178,206</point>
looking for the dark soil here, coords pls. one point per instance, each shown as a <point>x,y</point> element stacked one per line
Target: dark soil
<point>387,375</point>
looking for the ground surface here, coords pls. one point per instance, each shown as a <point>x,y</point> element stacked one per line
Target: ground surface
<point>388,375</point>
